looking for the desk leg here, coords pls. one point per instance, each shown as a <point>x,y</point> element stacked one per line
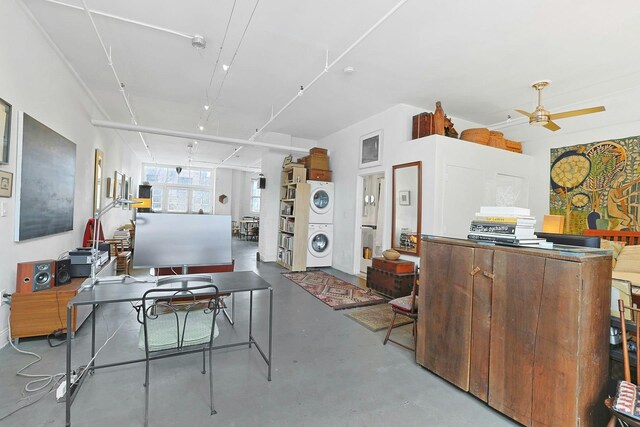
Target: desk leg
<point>250,316</point>
<point>270,328</point>
<point>68,371</point>
<point>93,337</point>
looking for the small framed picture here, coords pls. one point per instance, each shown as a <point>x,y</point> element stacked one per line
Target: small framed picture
<point>108,187</point>
<point>6,183</point>
<point>371,149</point>
<point>404,198</point>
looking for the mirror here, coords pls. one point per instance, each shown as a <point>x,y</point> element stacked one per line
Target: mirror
<point>406,208</point>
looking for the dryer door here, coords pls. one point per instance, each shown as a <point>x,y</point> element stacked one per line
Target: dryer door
<point>320,201</point>
<point>319,244</point>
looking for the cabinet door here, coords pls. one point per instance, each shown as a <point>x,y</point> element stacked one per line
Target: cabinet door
<point>517,292</point>
<point>481,323</point>
<point>445,312</point>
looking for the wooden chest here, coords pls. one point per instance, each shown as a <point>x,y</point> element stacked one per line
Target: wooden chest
<point>318,175</point>
<point>398,266</point>
<point>389,284</point>
<point>316,161</point>
<point>422,125</point>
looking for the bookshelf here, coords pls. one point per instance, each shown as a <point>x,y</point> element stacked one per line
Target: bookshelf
<point>293,222</point>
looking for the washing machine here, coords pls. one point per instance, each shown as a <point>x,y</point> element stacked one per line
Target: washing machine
<point>320,245</point>
<point>321,202</point>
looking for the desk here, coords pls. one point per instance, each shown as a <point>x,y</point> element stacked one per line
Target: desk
<point>105,293</point>
<point>246,224</point>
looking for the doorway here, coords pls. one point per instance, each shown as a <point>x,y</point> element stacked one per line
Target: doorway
<point>370,211</point>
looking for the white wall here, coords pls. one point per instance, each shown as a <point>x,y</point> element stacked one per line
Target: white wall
<point>34,80</point>
<point>396,125</point>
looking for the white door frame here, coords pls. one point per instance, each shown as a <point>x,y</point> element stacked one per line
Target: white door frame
<point>357,238</point>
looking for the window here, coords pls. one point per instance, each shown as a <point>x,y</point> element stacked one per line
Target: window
<point>190,191</point>
<point>255,196</point>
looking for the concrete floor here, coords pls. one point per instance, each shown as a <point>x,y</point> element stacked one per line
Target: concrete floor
<point>327,371</point>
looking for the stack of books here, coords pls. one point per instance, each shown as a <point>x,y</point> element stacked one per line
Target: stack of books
<point>504,224</point>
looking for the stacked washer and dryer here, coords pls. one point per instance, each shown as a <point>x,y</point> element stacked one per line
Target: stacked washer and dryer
<point>320,237</point>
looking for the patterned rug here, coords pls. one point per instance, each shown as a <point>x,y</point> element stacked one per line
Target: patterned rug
<point>376,318</point>
<point>334,292</point>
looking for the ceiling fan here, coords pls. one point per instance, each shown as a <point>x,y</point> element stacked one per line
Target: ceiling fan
<point>544,118</point>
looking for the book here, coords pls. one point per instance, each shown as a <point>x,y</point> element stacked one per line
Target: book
<point>504,210</point>
<point>501,227</point>
<point>505,239</point>
<point>505,218</point>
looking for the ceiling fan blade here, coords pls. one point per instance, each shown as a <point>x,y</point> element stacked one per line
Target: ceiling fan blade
<point>552,126</point>
<point>576,113</point>
<point>524,113</point>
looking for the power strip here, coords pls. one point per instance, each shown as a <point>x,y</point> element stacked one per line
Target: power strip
<point>62,388</point>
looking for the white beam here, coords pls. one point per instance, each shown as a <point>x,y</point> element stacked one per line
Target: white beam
<point>199,136</point>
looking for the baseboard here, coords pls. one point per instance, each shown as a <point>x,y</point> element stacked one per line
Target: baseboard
<point>4,337</point>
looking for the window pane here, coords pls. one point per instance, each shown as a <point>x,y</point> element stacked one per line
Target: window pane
<point>255,204</point>
<point>156,199</point>
<point>155,174</point>
<point>177,199</point>
<point>205,177</point>
<point>172,176</point>
<point>201,199</point>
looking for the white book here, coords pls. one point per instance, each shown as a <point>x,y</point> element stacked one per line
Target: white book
<point>504,210</point>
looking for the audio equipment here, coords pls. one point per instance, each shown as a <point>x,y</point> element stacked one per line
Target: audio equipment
<point>35,276</point>
<point>144,192</point>
<point>262,182</point>
<point>63,271</point>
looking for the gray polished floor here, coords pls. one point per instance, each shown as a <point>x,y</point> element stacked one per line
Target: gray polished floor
<point>327,371</point>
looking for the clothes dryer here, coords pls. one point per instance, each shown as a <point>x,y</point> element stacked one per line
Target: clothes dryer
<point>320,245</point>
<point>321,200</point>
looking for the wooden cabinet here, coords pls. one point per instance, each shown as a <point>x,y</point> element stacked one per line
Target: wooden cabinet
<point>294,219</point>
<point>41,313</point>
<point>392,285</point>
<point>525,330</point>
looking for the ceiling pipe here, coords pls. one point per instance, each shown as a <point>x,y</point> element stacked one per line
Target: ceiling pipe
<point>198,136</point>
<point>327,67</point>
<point>115,74</point>
<point>123,19</point>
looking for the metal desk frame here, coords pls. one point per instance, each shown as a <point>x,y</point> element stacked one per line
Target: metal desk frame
<point>108,293</point>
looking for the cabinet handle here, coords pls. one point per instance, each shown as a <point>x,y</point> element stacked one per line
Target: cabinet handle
<point>488,274</point>
<point>474,271</point>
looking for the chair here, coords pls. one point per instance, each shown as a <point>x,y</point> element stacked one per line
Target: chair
<point>235,228</point>
<point>626,388</point>
<point>178,320</point>
<point>253,232</point>
<point>405,306</point>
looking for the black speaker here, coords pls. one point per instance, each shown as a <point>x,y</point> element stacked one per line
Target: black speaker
<point>34,276</point>
<point>63,271</point>
<point>262,182</point>
<point>144,192</point>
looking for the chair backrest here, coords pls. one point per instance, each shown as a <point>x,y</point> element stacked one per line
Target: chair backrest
<point>175,317</point>
<point>624,315</point>
<point>414,291</point>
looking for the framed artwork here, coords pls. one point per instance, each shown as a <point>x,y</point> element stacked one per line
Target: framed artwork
<point>45,181</point>
<point>128,191</point>
<point>97,182</point>
<point>5,130</point>
<point>371,149</point>
<point>404,198</point>
<point>108,186</point>
<point>6,183</point>
<point>118,184</point>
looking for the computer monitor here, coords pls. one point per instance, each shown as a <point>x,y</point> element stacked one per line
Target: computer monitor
<point>168,240</point>
<point>570,239</point>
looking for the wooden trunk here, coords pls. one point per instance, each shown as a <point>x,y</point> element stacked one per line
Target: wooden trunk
<point>396,267</point>
<point>422,125</point>
<point>389,284</point>
<point>525,330</point>
<point>318,175</point>
<point>316,161</point>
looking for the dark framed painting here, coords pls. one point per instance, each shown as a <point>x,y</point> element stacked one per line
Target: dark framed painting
<point>45,181</point>
<point>371,149</point>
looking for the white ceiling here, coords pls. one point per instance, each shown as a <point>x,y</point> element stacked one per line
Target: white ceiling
<point>478,57</point>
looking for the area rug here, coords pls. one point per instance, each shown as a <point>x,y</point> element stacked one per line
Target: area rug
<point>334,292</point>
<point>377,318</point>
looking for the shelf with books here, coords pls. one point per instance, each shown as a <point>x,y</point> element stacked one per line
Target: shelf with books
<point>293,220</point>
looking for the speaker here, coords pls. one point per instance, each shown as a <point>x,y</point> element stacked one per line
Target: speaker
<point>144,192</point>
<point>34,276</point>
<point>63,271</point>
<point>262,182</point>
